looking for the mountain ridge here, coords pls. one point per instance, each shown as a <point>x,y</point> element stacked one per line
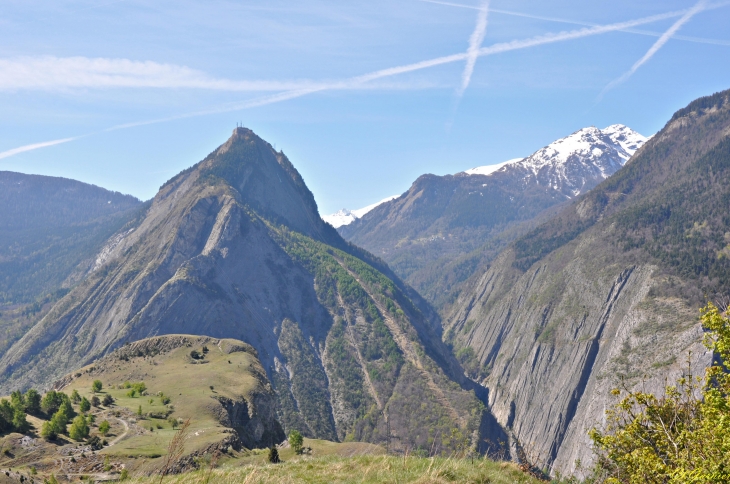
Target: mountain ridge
<point>234,248</point>
<point>437,233</point>
<point>607,289</point>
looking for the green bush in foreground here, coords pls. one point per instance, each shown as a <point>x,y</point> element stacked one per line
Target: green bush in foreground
<point>296,440</point>
<point>682,436</point>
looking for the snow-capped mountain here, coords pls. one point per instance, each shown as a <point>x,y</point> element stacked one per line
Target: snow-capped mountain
<point>444,226</point>
<point>576,163</point>
<point>345,216</point>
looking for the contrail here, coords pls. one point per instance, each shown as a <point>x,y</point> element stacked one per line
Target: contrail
<point>357,81</point>
<point>475,42</point>
<point>35,146</point>
<point>700,6</point>
<point>700,40</point>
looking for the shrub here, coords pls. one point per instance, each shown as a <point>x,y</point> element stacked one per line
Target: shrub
<point>95,402</point>
<point>108,400</point>
<point>33,402</point>
<point>680,436</point>
<point>296,440</point>
<point>274,455</point>
<point>85,405</point>
<point>131,393</point>
<point>79,428</point>
<point>95,443</point>
<point>96,386</point>
<point>75,397</point>
<point>104,427</point>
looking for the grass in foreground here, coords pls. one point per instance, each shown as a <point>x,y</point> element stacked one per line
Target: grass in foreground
<point>360,469</point>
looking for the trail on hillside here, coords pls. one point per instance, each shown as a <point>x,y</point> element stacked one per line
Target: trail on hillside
<point>126,431</point>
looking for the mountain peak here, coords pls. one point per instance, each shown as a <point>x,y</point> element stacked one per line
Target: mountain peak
<point>576,163</point>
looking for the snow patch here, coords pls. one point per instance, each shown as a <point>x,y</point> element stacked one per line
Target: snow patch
<point>346,217</point>
<point>568,163</point>
<point>489,169</point>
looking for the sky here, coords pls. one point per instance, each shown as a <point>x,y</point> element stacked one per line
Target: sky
<point>362,96</point>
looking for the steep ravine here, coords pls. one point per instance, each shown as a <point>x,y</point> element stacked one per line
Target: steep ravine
<point>559,340</point>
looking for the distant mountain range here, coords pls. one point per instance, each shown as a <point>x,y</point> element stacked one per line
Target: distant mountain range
<point>345,216</point>
<point>50,231</point>
<point>443,227</point>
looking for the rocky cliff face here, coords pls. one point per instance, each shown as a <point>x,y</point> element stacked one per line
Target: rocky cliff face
<point>437,233</point>
<point>606,292</point>
<point>234,248</point>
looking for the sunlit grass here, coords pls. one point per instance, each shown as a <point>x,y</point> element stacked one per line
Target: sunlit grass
<point>360,469</point>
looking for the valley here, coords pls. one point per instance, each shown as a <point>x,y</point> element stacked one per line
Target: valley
<point>485,315</point>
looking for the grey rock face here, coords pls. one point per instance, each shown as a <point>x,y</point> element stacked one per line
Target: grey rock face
<point>603,295</point>
<point>234,248</point>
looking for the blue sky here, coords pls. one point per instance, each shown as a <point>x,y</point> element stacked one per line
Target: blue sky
<point>142,89</point>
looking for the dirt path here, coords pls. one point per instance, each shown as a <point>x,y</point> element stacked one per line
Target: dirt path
<point>126,431</point>
<point>405,345</point>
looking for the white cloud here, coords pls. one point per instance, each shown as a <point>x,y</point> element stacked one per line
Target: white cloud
<point>649,33</point>
<point>700,6</point>
<point>475,42</point>
<point>35,146</point>
<point>357,82</point>
<point>48,73</point>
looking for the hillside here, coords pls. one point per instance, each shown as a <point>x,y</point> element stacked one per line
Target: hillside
<point>50,229</point>
<point>436,234</point>
<point>233,247</point>
<point>606,291</point>
<point>224,392</point>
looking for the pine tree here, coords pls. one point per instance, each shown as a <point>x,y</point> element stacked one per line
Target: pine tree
<point>33,402</point>
<point>104,427</point>
<point>79,429</point>
<point>274,455</point>
<point>20,424</point>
